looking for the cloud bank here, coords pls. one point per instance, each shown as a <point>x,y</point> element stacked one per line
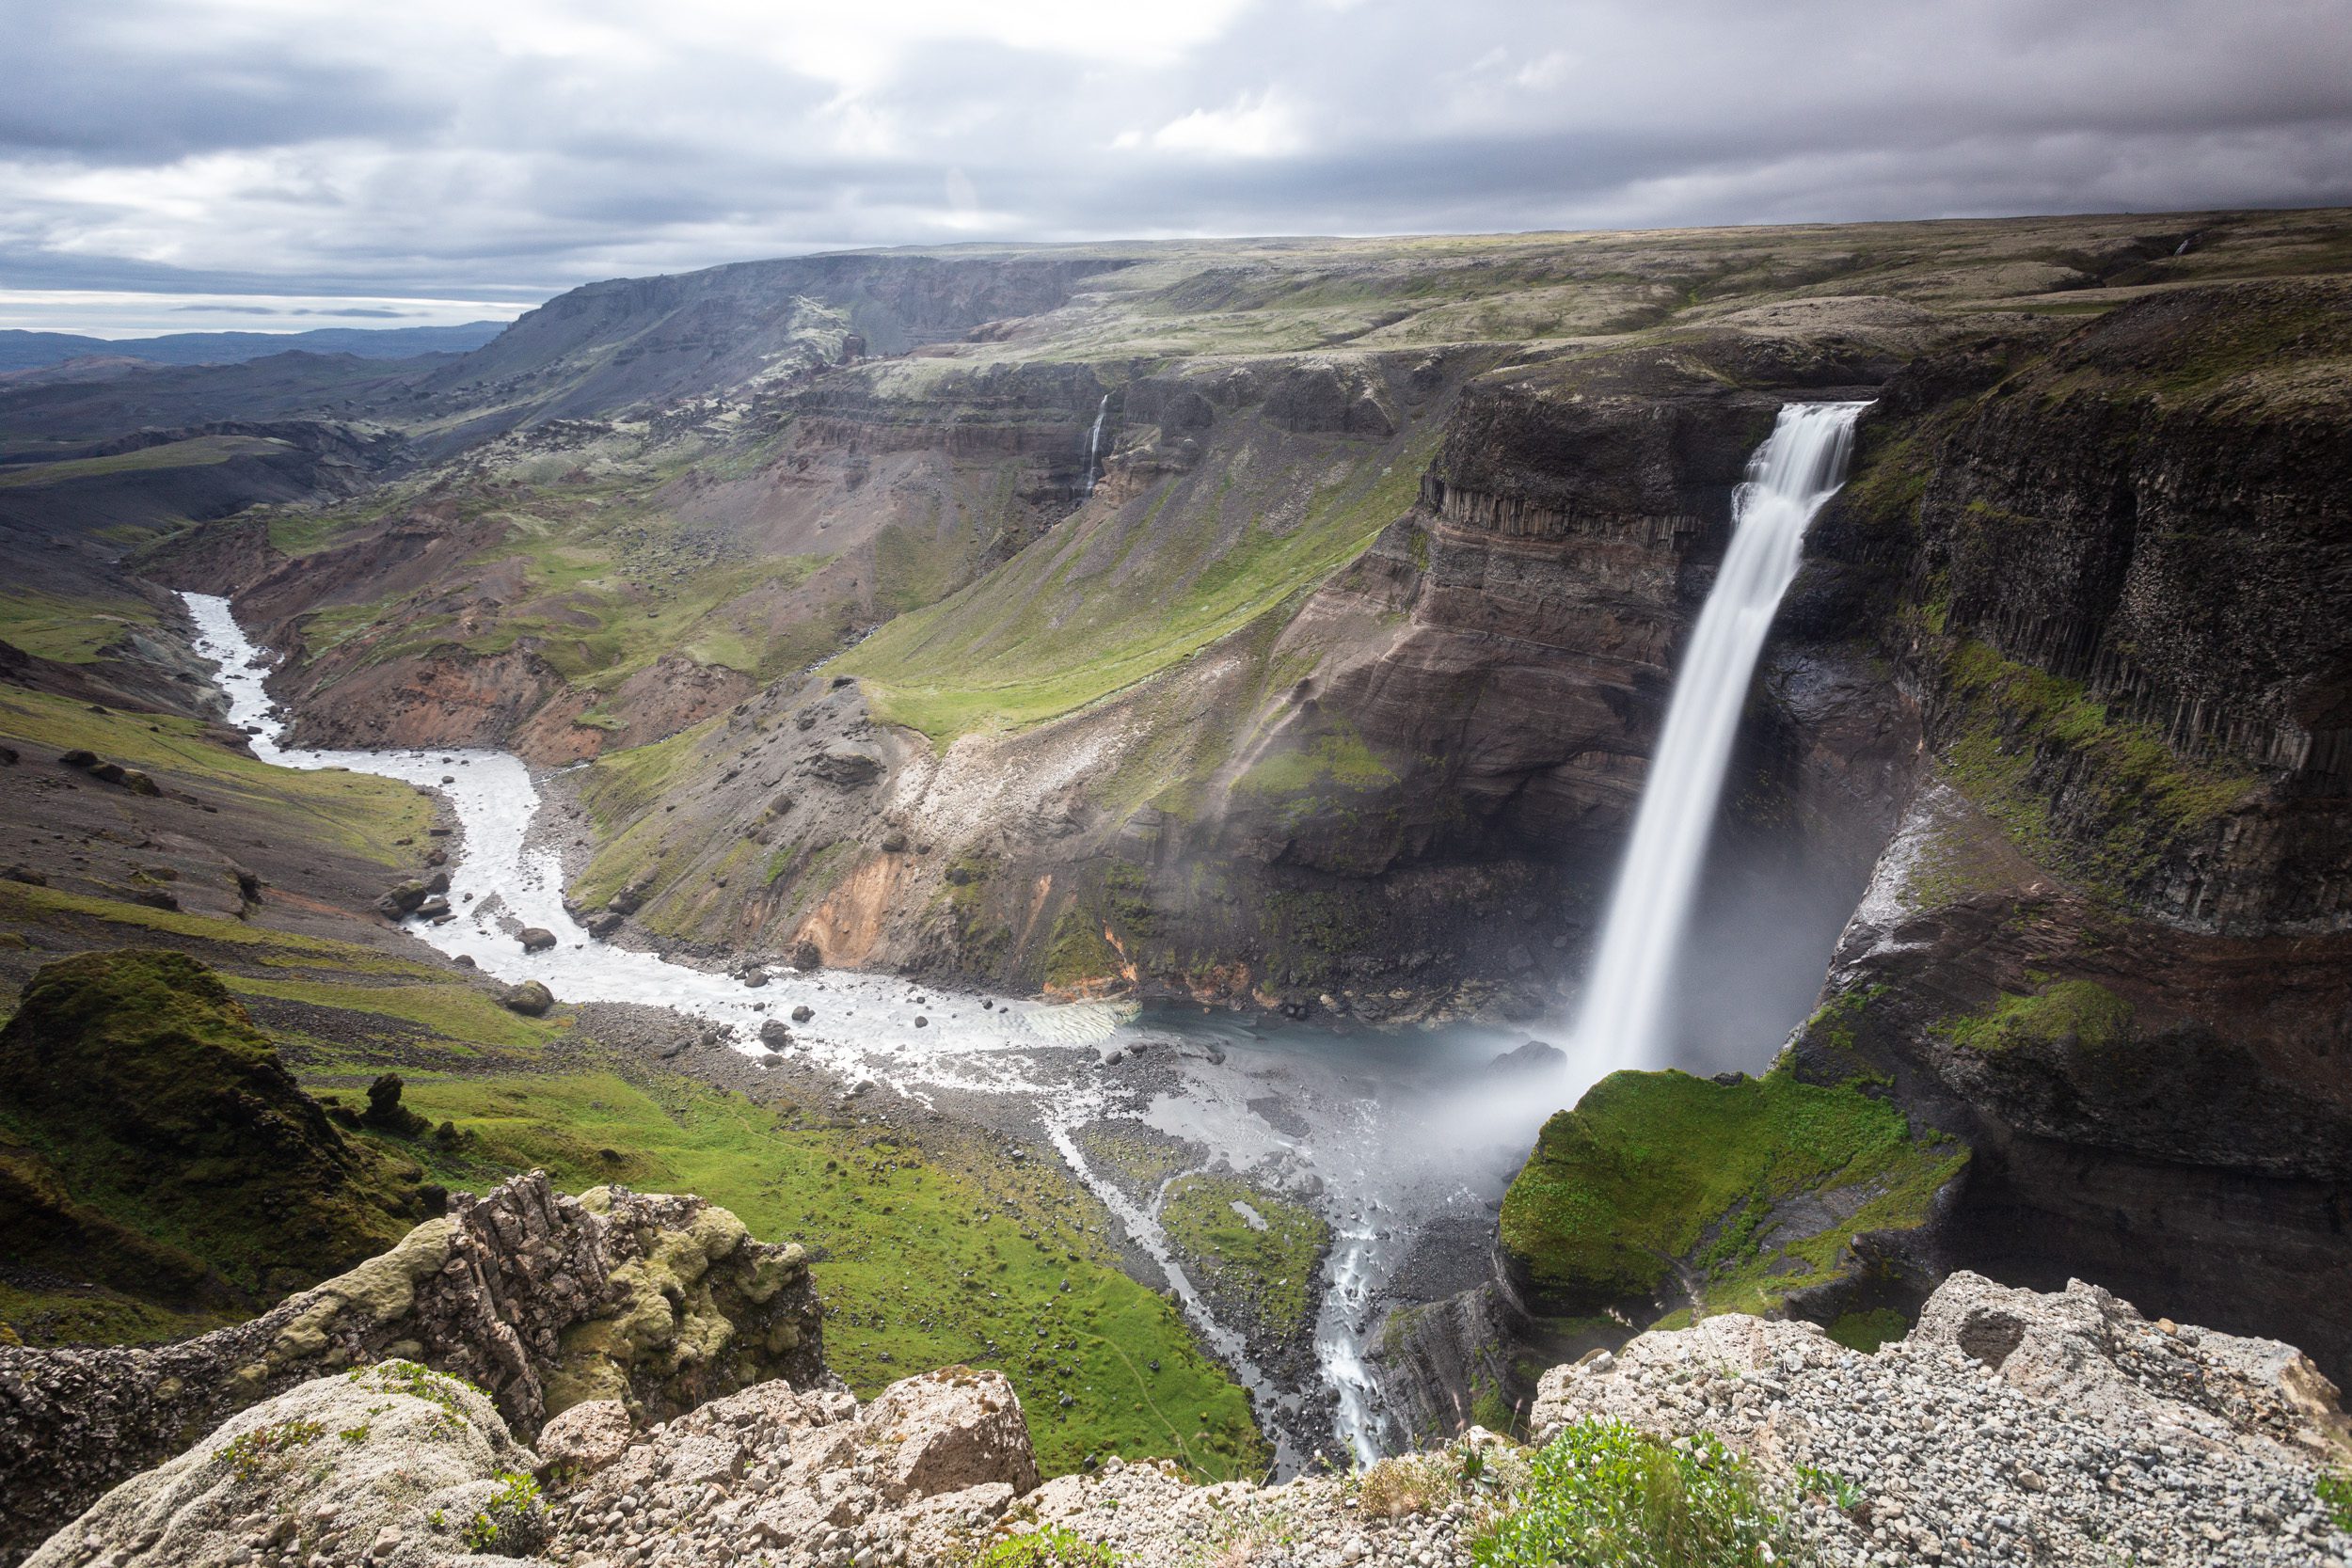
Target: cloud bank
<point>476,158</point>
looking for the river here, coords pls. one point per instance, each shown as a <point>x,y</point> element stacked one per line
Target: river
<point>1381,1133</point>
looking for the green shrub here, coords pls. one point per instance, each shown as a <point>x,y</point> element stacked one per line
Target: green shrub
<point>2335,1495</point>
<point>1051,1547</point>
<point>1605,1495</point>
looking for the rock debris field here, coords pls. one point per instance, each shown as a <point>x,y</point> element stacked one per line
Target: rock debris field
<point>2009,1428</point>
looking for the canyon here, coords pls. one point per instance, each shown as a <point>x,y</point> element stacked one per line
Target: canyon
<point>1281,633</point>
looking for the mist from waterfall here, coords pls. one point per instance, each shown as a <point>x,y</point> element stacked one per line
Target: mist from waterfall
<point>1094,438</point>
<point>1796,470</point>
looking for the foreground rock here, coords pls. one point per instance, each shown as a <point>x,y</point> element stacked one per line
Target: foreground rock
<point>2009,1427</point>
<point>391,1464</point>
<point>544,1300</point>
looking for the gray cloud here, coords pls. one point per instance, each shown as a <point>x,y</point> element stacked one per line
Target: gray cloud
<point>494,152</point>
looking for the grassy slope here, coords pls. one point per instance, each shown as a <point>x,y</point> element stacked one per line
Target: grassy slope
<point>357,812</point>
<point>1272,1268</point>
<point>1651,1168</point>
<point>1055,629</point>
<point>924,1258</point>
<point>895,1231</point>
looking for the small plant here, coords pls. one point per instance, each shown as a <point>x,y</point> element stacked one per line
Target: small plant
<point>354,1434</point>
<point>1813,1482</point>
<point>1396,1487</point>
<point>250,1451</point>
<point>2335,1496</point>
<point>1050,1547</point>
<point>514,1517</point>
<point>1602,1495</point>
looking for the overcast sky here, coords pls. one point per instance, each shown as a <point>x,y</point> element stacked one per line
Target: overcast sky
<point>181,164</point>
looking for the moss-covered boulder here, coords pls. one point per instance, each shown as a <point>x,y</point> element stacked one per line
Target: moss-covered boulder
<point>150,1140</point>
<point>1663,1190</point>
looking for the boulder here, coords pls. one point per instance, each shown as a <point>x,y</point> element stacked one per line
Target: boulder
<point>536,938</point>
<point>850,769</point>
<point>949,1430</point>
<point>530,999</point>
<point>753,975</point>
<point>402,900</point>
<point>393,1464</point>
<point>773,1035</point>
<point>606,924</point>
<point>585,1438</point>
<point>1529,1060</point>
<point>803,1012</point>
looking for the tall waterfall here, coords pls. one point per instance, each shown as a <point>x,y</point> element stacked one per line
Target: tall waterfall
<point>1094,438</point>
<point>1798,467</point>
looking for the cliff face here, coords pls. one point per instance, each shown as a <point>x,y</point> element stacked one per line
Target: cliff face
<point>2109,946</point>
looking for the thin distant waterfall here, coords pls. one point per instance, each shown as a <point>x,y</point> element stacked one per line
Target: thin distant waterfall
<point>1798,467</point>
<point>1094,438</point>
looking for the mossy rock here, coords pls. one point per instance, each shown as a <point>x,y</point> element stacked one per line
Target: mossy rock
<point>158,1145</point>
<point>1660,1185</point>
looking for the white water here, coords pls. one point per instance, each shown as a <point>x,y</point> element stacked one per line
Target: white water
<point>1094,438</point>
<point>1392,1124</point>
<point>1799,467</point>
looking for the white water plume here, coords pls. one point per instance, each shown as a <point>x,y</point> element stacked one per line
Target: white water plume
<point>1797,470</point>
<point>1094,438</point>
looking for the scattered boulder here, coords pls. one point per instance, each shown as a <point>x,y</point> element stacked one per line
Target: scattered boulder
<point>531,999</point>
<point>402,901</point>
<point>604,925</point>
<point>78,758</point>
<point>386,1114</point>
<point>1530,1060</point>
<point>20,872</point>
<point>894,842</point>
<point>585,1438</point>
<point>434,908</point>
<point>773,1035</point>
<point>803,1012</point>
<point>536,938</point>
<point>753,975</point>
<point>849,769</point>
<point>806,956</point>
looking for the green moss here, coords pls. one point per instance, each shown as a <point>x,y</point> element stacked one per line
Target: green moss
<point>1340,761</point>
<point>923,1259</point>
<point>2018,734</point>
<point>2067,1013</point>
<point>1654,1167</point>
<point>136,1079</point>
<point>456,1012</point>
<point>1080,958</point>
<point>1270,1265</point>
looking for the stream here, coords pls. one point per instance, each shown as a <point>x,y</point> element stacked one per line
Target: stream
<point>1381,1134</point>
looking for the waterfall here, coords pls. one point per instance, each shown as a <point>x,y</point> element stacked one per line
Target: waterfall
<point>1798,467</point>
<point>1094,438</point>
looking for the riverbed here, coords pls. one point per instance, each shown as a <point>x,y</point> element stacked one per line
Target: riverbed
<point>1379,1132</point>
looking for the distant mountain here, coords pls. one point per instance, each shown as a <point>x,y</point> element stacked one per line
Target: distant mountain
<point>24,351</point>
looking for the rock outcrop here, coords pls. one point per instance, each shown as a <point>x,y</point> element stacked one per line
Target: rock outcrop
<point>543,1300</point>
<point>2064,1429</point>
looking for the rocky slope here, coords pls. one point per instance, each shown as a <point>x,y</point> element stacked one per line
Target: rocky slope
<point>529,1301</point>
<point>2063,1427</point>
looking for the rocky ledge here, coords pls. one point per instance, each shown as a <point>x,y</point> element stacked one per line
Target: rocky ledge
<point>2010,1427</point>
<point>543,1300</point>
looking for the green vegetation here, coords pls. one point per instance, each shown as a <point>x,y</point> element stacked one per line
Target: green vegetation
<point>74,631</point>
<point>925,1257</point>
<point>1080,959</point>
<point>1093,611</point>
<point>2067,1013</point>
<point>461,1014</point>
<point>1270,1264</point>
<point>1652,1167</point>
<point>249,1453</point>
<point>198,1173</point>
<point>1867,1331</point>
<point>357,812</point>
<point>1052,1546</point>
<point>513,1515</point>
<point>1605,1495</point>
<point>2335,1495</point>
<point>2130,801</point>
<point>196,452</point>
